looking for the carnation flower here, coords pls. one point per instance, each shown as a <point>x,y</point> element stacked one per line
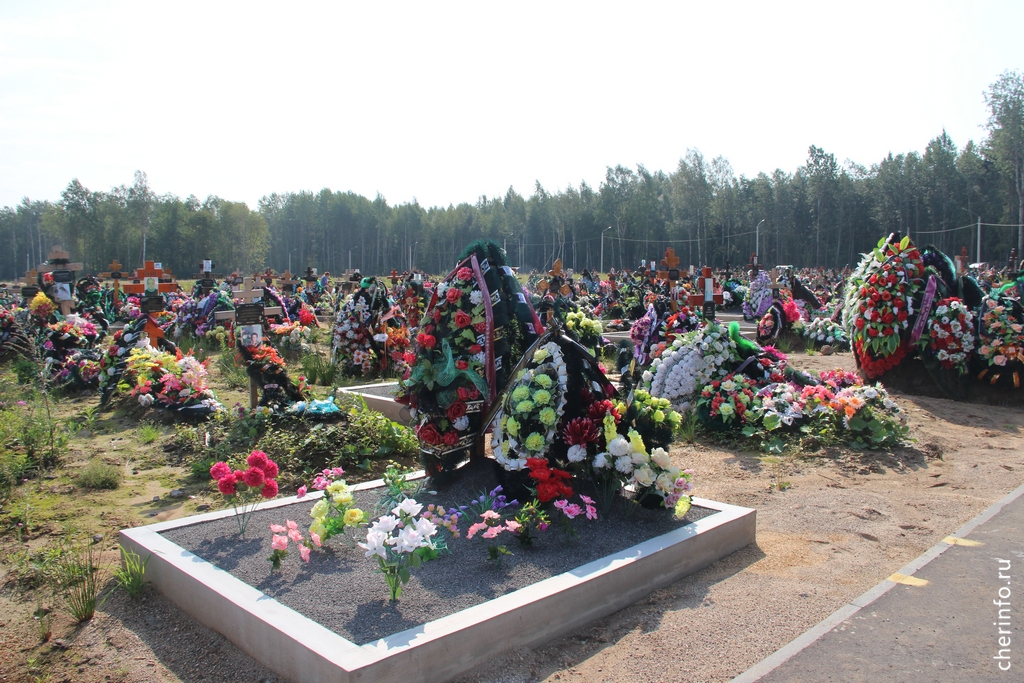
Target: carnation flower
<point>534,442</point>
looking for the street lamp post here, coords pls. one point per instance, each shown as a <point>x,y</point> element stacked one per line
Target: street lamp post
<point>350,256</point>
<point>602,247</point>
<point>757,243</point>
<point>410,255</point>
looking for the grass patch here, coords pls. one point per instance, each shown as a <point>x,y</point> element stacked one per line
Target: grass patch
<point>76,580</point>
<point>148,434</point>
<point>131,575</point>
<point>99,476</point>
<point>234,375</point>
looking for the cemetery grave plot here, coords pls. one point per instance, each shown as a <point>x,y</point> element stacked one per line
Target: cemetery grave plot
<point>332,617</point>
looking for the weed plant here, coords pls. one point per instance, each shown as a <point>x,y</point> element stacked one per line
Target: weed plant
<point>148,434</point>
<point>76,579</point>
<point>234,375</point>
<point>131,575</point>
<point>99,475</point>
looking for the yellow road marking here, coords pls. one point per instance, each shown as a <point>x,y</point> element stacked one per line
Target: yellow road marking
<point>908,580</point>
<point>966,542</point>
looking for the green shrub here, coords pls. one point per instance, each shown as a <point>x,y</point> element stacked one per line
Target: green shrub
<point>98,475</point>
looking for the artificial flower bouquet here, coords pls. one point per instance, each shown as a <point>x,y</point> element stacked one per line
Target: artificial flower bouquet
<point>246,488</point>
<point>949,336</point>
<point>400,542</point>
<point>1000,341</point>
<point>726,402</point>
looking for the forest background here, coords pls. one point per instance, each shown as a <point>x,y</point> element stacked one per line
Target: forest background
<point>825,213</point>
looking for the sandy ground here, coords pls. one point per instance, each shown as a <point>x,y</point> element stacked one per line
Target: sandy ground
<point>845,521</point>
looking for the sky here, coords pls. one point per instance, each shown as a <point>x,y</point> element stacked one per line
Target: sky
<point>447,102</point>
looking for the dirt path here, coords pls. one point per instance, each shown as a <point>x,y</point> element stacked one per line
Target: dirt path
<point>844,522</point>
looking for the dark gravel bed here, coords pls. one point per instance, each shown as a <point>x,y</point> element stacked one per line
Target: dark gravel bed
<point>341,589</point>
<point>387,390</point>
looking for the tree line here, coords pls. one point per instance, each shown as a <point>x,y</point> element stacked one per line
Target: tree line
<point>825,213</point>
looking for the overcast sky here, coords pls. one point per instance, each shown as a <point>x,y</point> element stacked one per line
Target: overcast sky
<point>444,102</point>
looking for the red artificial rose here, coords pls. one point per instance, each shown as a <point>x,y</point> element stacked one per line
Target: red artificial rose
<point>409,357</point>
<point>873,279</point>
<point>886,295</point>
<point>888,318</point>
<point>859,323</point>
<point>872,332</point>
<point>480,327</point>
<point>887,331</point>
<point>462,319</point>
<point>546,490</point>
<point>436,315</point>
<point>464,274</point>
<point>428,434</point>
<point>456,410</point>
<point>426,340</point>
<point>461,364</point>
<point>898,303</point>
<point>875,297</point>
<point>901,316</point>
<point>475,348</point>
<point>453,294</point>
<point>451,437</point>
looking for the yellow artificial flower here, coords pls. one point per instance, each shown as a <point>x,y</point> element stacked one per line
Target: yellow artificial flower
<point>512,426</point>
<point>548,417</point>
<point>636,442</point>
<point>320,509</point>
<point>353,516</point>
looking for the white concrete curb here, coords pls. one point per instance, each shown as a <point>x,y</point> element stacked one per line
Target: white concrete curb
<point>300,649</point>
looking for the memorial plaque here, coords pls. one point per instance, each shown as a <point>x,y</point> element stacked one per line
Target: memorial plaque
<point>29,292</point>
<point>152,304</point>
<point>249,314</point>
<point>65,276</point>
<point>207,283</point>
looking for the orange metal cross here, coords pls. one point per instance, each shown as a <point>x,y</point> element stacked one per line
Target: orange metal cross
<point>147,282</point>
<point>116,275</point>
<point>708,297</point>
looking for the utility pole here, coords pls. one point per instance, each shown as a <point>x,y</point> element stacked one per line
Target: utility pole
<point>979,239</point>
<point>602,247</point>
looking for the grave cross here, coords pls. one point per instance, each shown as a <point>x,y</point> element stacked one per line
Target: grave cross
<point>205,278</point>
<point>287,282</point>
<point>708,297</point>
<point>249,295</point>
<point>236,278</point>
<point>775,285</point>
<point>671,264</point>
<point>30,285</point>
<point>960,261</point>
<point>753,266</point>
<point>116,275</point>
<point>1011,264</point>
<point>58,264</point>
<point>150,283</point>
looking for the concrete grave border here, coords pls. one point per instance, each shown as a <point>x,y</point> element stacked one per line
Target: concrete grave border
<point>299,649</point>
<point>385,405</point>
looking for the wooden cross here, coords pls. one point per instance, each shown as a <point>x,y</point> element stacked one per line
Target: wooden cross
<point>236,278</point>
<point>960,261</point>
<point>205,279</point>
<point>394,277</point>
<point>775,286</point>
<point>671,263</point>
<point>753,266</point>
<point>116,275</point>
<point>149,282</point>
<point>58,263</point>
<point>249,295</point>
<point>708,298</point>
<point>310,275</point>
<point>31,278</point>
<point>287,282</point>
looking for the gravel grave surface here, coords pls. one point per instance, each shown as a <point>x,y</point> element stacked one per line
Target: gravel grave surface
<point>341,589</point>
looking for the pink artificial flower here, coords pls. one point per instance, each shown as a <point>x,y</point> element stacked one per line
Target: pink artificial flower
<point>337,472</point>
<point>253,477</point>
<point>257,459</point>
<point>492,531</point>
<point>591,512</point>
<point>586,499</point>
<point>479,526</point>
<point>561,504</point>
<point>291,525</point>
<point>270,470</point>
<point>279,543</point>
<point>490,514</point>
<point>301,493</point>
<point>295,535</point>
<point>316,539</point>
<point>220,470</point>
<point>320,483</point>
<point>572,510</point>
<point>513,526</point>
<point>269,489</point>
<point>227,486</point>
<point>543,526</point>
<point>304,553</point>
<point>277,528</point>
